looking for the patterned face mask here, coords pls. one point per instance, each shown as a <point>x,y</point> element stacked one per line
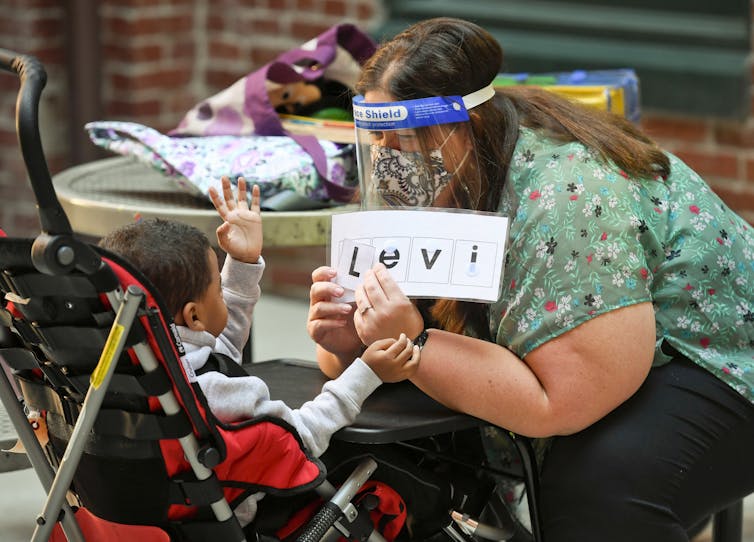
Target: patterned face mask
<point>403,178</point>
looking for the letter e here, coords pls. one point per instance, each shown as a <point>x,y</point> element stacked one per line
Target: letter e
<point>390,259</point>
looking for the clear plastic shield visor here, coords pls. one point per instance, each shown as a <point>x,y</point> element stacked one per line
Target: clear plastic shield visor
<point>416,153</point>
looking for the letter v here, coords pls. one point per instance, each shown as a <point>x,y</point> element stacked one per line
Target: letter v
<point>427,262</point>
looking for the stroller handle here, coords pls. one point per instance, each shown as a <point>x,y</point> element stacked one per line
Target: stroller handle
<point>33,78</point>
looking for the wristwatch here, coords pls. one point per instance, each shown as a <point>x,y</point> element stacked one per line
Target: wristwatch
<point>421,339</point>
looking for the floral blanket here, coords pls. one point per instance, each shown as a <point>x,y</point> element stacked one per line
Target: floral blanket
<point>276,163</point>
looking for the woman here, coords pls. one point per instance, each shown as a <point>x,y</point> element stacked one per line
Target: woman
<point>625,326</point>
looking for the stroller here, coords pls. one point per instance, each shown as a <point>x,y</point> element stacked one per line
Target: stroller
<point>122,437</point>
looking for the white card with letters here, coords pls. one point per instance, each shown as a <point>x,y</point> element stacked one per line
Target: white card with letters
<point>448,254</point>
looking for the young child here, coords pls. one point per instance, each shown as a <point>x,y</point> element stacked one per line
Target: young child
<point>213,311</point>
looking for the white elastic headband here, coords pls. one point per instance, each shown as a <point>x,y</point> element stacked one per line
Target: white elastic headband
<point>478,97</point>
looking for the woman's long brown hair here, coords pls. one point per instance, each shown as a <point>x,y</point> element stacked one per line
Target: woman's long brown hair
<point>453,57</point>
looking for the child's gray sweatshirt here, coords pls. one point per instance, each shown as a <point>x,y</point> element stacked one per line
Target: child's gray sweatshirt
<point>239,398</point>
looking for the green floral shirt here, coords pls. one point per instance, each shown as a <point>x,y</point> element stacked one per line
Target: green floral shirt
<point>585,239</point>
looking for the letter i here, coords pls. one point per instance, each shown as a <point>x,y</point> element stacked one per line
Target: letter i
<point>472,269</point>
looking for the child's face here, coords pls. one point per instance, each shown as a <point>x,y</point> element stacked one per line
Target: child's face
<point>211,306</point>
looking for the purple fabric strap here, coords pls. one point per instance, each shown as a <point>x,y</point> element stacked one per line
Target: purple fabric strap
<point>343,194</point>
<point>313,62</point>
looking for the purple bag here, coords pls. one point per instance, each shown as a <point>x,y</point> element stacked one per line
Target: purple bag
<point>295,79</point>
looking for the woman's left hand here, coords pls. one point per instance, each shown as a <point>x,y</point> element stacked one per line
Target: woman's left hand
<point>383,310</point>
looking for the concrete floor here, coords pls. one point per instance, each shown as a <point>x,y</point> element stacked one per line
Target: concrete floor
<point>279,331</point>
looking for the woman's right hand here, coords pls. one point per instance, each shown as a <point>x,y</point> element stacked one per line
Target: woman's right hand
<point>330,322</point>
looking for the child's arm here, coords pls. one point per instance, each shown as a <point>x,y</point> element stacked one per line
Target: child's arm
<point>240,234</point>
<point>241,398</point>
<point>386,360</point>
<point>233,399</point>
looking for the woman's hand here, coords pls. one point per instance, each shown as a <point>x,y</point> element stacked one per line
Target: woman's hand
<point>330,321</point>
<point>383,310</point>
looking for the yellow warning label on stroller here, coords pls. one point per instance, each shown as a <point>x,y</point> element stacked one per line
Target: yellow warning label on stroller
<point>107,357</point>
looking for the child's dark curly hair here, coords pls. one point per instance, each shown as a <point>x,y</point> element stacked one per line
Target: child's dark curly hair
<point>172,255</point>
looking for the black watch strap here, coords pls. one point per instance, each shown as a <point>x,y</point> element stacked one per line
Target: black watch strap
<point>421,339</point>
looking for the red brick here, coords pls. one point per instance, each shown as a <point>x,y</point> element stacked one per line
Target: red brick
<point>335,7</point>
<point>49,26</point>
<point>219,49</point>
<point>130,3</point>
<point>133,53</point>
<point>263,25</point>
<point>151,25</point>
<point>306,30</point>
<point>180,103</point>
<point>737,134</point>
<point>50,56</point>
<point>662,127</point>
<point>162,79</point>
<point>220,79</point>
<point>8,27</point>
<point>749,167</point>
<point>8,138</point>
<point>122,108</point>
<point>56,164</point>
<point>711,164</point>
<point>215,22</point>
<point>8,83</point>
<point>364,11</point>
<point>184,50</point>
<point>38,3</point>
<point>260,57</point>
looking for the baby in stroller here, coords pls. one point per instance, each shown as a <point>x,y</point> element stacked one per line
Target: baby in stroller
<point>213,312</point>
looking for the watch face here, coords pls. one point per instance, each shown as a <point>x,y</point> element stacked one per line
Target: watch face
<point>421,339</point>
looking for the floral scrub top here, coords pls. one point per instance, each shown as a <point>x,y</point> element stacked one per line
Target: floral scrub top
<point>585,240</point>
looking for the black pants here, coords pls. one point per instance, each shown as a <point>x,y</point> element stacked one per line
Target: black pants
<point>677,451</point>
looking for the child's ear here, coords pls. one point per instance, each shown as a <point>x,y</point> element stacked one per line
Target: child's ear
<point>191,320</point>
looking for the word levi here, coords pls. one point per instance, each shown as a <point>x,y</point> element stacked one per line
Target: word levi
<point>428,253</point>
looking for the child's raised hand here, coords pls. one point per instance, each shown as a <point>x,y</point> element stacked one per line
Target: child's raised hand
<point>240,234</point>
<point>393,360</point>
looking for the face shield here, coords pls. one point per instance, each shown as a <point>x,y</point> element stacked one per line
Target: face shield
<point>418,153</point>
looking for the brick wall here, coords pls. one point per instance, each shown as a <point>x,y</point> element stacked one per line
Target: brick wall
<point>33,27</point>
<point>160,57</point>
